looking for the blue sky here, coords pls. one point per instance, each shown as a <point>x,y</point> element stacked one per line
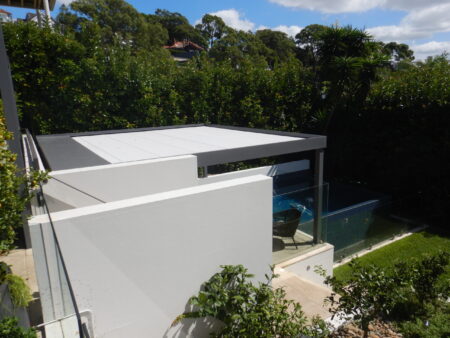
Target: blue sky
<point>423,24</point>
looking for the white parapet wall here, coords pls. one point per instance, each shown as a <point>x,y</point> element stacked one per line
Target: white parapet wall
<point>134,263</point>
<point>306,265</point>
<point>106,183</point>
<point>271,170</point>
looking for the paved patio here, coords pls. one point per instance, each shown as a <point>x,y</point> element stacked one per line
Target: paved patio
<point>309,295</point>
<point>283,248</point>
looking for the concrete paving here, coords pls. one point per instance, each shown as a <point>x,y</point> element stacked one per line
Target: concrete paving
<point>309,295</point>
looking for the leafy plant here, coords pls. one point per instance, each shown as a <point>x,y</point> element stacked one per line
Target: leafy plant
<point>249,310</point>
<point>402,292</point>
<point>9,328</point>
<point>15,191</point>
<point>370,292</point>
<point>19,290</point>
<point>435,324</point>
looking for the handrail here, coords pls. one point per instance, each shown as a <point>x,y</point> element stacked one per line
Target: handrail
<point>34,162</point>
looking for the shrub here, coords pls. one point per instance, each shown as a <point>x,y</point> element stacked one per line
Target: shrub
<point>435,324</point>
<point>15,187</point>
<point>403,292</point>
<point>9,329</point>
<point>247,310</point>
<point>370,292</point>
<point>19,290</point>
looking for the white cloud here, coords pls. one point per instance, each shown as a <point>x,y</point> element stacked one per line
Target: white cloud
<point>64,2</point>
<point>347,6</point>
<point>234,19</point>
<point>289,30</point>
<point>417,24</point>
<point>237,20</point>
<point>431,48</point>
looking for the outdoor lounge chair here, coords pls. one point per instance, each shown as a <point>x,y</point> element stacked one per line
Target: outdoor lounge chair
<point>285,223</point>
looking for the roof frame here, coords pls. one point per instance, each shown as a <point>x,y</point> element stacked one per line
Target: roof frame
<point>61,151</point>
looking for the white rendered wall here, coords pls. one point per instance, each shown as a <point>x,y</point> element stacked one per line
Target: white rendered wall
<point>305,265</point>
<point>279,169</point>
<point>114,182</point>
<point>135,263</point>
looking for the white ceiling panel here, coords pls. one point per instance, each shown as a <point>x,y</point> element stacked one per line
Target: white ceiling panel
<point>140,145</point>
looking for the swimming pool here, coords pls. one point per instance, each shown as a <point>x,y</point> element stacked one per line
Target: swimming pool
<point>354,218</point>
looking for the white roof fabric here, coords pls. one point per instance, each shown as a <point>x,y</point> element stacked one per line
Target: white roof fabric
<point>151,144</point>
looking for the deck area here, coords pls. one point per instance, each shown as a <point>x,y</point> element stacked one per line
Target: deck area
<point>284,249</point>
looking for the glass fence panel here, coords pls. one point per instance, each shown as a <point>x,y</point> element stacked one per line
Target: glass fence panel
<point>58,300</point>
<point>294,214</point>
<point>362,226</point>
<point>352,218</point>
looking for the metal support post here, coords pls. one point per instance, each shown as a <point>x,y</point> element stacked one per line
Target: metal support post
<point>318,196</point>
<point>47,11</point>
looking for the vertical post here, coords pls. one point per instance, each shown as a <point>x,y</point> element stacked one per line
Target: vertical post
<point>9,103</point>
<point>38,15</point>
<point>318,195</point>
<point>205,171</point>
<point>47,11</point>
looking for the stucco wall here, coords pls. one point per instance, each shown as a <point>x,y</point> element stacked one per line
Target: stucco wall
<point>321,256</point>
<point>114,182</point>
<point>279,169</point>
<point>135,263</point>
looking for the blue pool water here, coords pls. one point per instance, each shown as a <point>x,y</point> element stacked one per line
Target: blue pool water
<point>353,217</point>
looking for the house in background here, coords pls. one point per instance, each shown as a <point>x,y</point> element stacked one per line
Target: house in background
<point>131,224</point>
<point>5,16</point>
<point>184,50</point>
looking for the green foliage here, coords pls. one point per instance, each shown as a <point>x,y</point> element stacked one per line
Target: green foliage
<point>434,324</point>
<point>19,290</point>
<point>389,156</point>
<point>280,47</point>
<point>366,295</point>
<point>402,292</point>
<point>119,23</point>
<point>247,310</point>
<point>4,271</point>
<point>178,27</point>
<point>15,187</point>
<point>212,28</point>
<point>9,329</point>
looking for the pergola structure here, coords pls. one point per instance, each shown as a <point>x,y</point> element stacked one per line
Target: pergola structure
<point>46,5</point>
<point>211,144</point>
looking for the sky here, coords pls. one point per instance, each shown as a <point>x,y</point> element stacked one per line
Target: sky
<point>423,24</point>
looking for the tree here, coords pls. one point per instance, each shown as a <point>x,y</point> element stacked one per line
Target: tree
<point>178,27</point>
<point>347,64</point>
<point>120,23</point>
<point>237,45</point>
<point>279,45</point>
<point>213,28</point>
<point>308,40</point>
<point>398,51</point>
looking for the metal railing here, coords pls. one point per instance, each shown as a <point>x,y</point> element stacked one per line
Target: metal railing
<point>57,295</point>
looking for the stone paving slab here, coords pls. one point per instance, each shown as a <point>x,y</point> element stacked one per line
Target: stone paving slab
<point>308,294</point>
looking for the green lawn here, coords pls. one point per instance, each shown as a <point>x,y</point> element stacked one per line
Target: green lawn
<point>416,245</point>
